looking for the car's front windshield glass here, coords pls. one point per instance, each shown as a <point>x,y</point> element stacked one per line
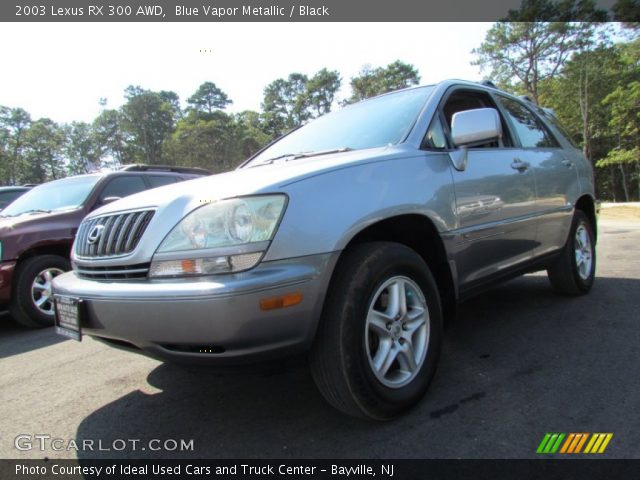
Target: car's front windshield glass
<point>64,194</point>
<point>373,123</point>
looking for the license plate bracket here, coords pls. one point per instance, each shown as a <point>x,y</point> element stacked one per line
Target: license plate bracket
<point>68,316</point>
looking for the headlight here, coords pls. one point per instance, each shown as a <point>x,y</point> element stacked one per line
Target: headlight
<point>227,236</point>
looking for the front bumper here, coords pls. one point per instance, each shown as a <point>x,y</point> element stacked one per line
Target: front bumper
<point>6,280</point>
<point>215,319</point>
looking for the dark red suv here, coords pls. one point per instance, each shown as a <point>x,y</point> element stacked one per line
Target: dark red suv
<point>38,228</point>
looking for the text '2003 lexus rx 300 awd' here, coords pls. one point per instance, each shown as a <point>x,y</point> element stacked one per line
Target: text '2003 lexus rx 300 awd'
<point>351,238</point>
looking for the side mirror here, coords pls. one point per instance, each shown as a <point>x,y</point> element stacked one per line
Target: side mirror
<point>475,127</point>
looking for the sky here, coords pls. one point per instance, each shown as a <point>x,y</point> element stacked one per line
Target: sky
<point>62,70</point>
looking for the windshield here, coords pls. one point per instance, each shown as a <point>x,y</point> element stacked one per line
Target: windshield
<point>373,123</point>
<point>64,194</point>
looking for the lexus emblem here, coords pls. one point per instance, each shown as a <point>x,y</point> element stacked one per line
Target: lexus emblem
<point>94,234</point>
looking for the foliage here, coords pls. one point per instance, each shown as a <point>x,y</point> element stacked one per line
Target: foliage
<point>376,81</point>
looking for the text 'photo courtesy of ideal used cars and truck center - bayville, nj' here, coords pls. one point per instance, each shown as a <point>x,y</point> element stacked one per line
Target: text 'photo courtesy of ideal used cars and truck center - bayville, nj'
<point>285,240</point>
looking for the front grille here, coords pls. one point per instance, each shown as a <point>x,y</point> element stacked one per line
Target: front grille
<point>114,272</point>
<point>119,235</point>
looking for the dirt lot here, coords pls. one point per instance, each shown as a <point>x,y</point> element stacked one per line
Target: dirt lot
<point>617,211</point>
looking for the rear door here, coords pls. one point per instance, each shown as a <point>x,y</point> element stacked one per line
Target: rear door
<point>555,173</point>
<point>495,199</point>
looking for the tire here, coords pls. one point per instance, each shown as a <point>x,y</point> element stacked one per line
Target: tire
<point>573,273</point>
<point>32,283</point>
<point>346,358</point>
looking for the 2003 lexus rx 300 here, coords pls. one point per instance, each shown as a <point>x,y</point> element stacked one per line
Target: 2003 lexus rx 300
<point>352,238</point>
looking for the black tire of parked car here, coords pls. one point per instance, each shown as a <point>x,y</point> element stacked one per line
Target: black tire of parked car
<point>563,274</point>
<point>338,359</point>
<point>22,308</point>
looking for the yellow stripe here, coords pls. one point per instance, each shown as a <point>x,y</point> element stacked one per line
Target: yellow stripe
<point>606,442</point>
<point>584,439</point>
<point>567,442</point>
<point>598,442</point>
<point>590,444</point>
<point>574,443</point>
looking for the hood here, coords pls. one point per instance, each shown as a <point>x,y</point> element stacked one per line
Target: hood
<point>243,181</point>
<point>33,221</point>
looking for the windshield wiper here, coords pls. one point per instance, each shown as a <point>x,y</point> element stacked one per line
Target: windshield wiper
<point>295,156</point>
<point>35,210</point>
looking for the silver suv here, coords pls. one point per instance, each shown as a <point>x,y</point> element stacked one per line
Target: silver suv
<point>351,238</point>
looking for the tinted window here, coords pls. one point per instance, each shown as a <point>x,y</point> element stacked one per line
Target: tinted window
<point>373,123</point>
<point>7,197</point>
<point>123,186</point>
<point>530,130</point>
<point>64,194</point>
<point>161,180</point>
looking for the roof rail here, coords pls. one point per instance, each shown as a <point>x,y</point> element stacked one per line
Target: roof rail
<point>489,83</point>
<point>527,98</point>
<point>30,184</point>
<point>139,167</point>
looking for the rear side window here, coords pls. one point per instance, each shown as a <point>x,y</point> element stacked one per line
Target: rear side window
<point>123,186</point>
<point>161,180</point>
<point>530,130</point>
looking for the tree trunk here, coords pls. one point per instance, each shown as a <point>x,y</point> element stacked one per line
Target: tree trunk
<point>612,174</point>
<point>624,182</point>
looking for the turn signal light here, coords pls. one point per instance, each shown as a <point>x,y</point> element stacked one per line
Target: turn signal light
<point>282,301</point>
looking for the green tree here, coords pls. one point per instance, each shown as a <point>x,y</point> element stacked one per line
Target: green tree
<point>284,104</point>
<point>624,102</point>
<point>371,82</point>
<point>115,142</point>
<point>202,141</point>
<point>208,98</point>
<point>83,150</point>
<point>532,44</point>
<point>14,123</point>
<point>44,152</point>
<point>149,118</point>
<point>320,92</point>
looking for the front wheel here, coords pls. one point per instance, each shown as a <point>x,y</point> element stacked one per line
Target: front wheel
<point>32,300</point>
<point>379,339</point>
<point>573,273</point>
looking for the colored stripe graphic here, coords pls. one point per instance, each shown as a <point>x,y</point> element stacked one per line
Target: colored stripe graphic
<point>550,443</point>
<point>574,443</point>
<point>598,443</point>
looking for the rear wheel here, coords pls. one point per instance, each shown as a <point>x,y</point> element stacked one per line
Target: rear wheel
<point>32,302</point>
<point>574,271</point>
<point>378,343</point>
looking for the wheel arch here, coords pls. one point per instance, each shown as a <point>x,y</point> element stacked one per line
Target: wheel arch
<point>587,204</point>
<point>419,233</point>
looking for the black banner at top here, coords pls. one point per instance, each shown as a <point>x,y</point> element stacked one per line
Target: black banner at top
<point>286,11</point>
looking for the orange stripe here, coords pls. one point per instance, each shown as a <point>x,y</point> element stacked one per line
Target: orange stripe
<point>584,439</point>
<point>574,443</point>
<point>567,442</point>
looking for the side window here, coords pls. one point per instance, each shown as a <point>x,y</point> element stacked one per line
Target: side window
<point>161,180</point>
<point>123,186</point>
<point>435,137</point>
<point>530,130</point>
<point>462,100</point>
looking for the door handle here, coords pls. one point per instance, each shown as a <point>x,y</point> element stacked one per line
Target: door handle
<point>519,165</point>
<point>568,163</point>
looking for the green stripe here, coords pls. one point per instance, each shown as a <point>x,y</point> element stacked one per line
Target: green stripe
<point>550,443</point>
<point>558,442</point>
<point>543,443</point>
